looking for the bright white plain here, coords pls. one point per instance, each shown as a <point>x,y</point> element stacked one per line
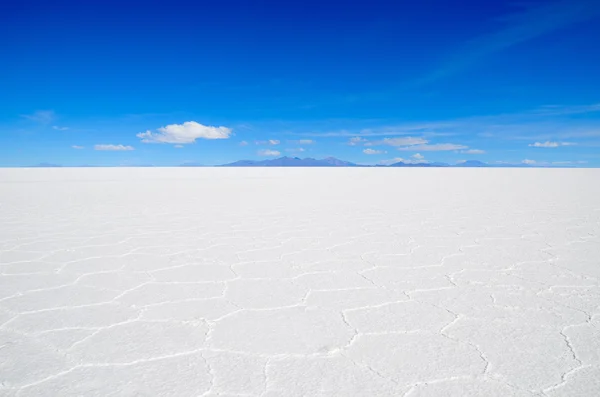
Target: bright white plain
<point>299,282</point>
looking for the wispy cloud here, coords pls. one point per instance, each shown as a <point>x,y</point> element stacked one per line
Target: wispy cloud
<point>303,141</point>
<point>539,123</point>
<point>268,142</point>
<point>569,162</point>
<point>532,124</point>
<point>559,110</point>
<point>357,140</point>
<point>184,133</point>
<point>549,144</point>
<point>424,129</point>
<point>295,150</point>
<point>55,127</point>
<point>41,116</point>
<point>473,151</point>
<point>77,147</point>
<point>398,141</point>
<point>268,153</point>
<point>438,147</point>
<point>243,143</point>
<point>117,148</point>
<point>530,22</point>
<point>373,151</point>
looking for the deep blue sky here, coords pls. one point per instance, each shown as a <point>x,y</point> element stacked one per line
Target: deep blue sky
<point>370,82</point>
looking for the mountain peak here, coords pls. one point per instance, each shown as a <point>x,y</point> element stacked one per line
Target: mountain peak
<point>472,163</point>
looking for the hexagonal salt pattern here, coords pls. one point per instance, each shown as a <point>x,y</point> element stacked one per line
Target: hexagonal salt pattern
<point>299,282</point>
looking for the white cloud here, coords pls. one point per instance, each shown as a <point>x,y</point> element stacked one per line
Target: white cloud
<point>184,133</point>
<point>41,116</point>
<point>373,151</point>
<point>568,162</point>
<point>77,147</point>
<point>527,161</point>
<point>55,127</point>
<point>438,147</point>
<point>473,151</point>
<point>113,147</point>
<point>549,144</point>
<point>295,150</point>
<point>244,143</point>
<point>405,141</point>
<point>269,142</point>
<point>418,156</point>
<point>356,141</point>
<point>178,146</point>
<point>545,144</point>
<point>302,141</point>
<point>268,152</point>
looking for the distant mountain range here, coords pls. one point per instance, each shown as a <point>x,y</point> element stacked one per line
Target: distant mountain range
<point>472,163</point>
<point>292,162</point>
<point>333,162</point>
<point>402,164</point>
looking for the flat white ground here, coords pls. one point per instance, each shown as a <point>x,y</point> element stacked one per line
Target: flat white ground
<point>299,282</point>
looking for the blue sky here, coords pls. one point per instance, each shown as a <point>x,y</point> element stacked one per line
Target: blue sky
<point>166,83</point>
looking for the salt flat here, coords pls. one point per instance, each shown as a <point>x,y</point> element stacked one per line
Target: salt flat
<point>299,282</point>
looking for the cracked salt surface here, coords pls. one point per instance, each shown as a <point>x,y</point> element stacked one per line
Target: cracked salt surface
<point>299,282</point>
